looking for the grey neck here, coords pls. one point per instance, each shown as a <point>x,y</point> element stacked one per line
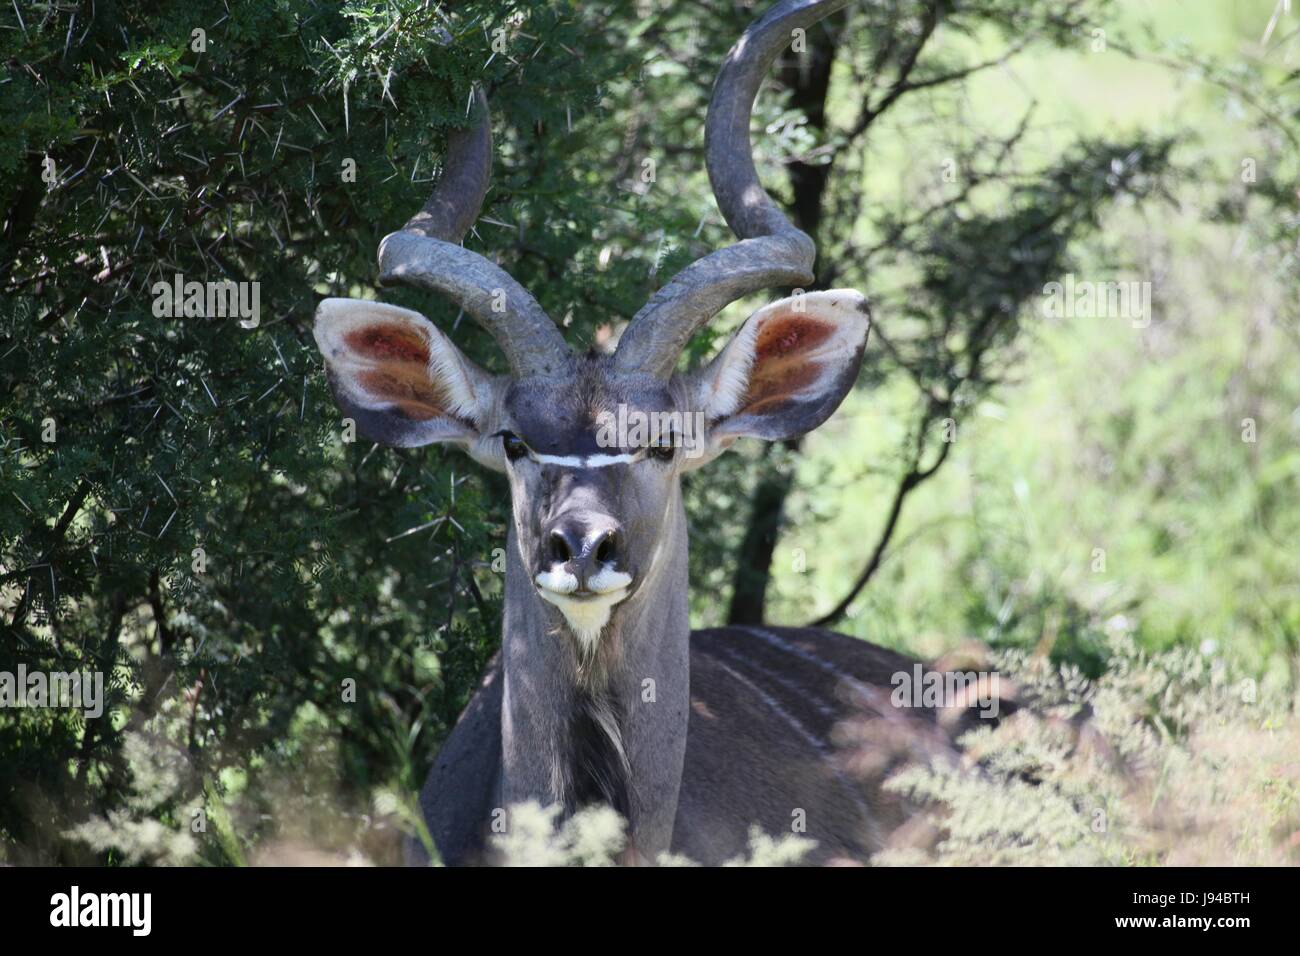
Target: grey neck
<point>613,728</point>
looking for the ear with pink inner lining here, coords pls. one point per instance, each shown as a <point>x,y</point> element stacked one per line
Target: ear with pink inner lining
<point>402,381</point>
<point>785,371</point>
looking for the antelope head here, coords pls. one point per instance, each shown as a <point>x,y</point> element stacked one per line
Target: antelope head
<point>594,445</point>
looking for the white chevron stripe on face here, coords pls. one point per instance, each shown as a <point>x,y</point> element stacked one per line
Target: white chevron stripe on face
<point>583,461</point>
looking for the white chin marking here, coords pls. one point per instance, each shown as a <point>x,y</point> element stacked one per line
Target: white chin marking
<point>586,617</point>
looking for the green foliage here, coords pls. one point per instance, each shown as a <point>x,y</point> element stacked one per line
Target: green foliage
<point>321,562</point>
<point>1104,471</point>
<point>1164,760</point>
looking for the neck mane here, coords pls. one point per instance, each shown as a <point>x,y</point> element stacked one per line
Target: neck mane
<point>604,721</point>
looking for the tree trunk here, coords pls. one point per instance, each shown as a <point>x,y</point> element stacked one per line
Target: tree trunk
<point>808,77</point>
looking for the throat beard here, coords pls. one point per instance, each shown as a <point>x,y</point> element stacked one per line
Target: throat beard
<point>592,767</point>
<point>598,771</point>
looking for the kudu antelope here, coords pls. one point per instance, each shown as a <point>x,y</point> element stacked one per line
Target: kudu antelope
<point>601,692</point>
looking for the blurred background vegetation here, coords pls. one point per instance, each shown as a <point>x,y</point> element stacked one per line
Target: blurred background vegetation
<point>198,528</point>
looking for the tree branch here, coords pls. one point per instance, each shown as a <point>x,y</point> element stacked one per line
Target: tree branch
<point>914,478</point>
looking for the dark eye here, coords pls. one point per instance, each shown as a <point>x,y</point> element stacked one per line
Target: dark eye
<point>514,446</point>
<point>663,448</point>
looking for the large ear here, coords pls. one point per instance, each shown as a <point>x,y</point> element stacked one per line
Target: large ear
<point>402,381</point>
<point>785,371</point>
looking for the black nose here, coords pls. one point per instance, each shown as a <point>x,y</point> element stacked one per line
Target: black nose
<point>583,546</point>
